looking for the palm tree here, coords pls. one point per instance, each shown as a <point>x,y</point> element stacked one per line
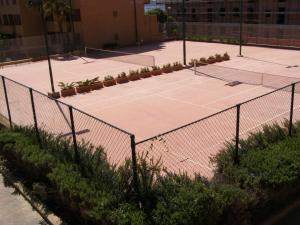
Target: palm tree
<point>58,9</point>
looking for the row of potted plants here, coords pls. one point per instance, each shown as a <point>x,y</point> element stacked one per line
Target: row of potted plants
<point>70,89</point>
<point>210,60</point>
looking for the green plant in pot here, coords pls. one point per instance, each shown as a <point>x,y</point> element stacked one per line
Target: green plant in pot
<point>122,78</point>
<point>133,75</point>
<point>156,70</point>
<point>109,81</point>
<point>145,72</point>
<point>177,66</point>
<point>167,68</point>
<point>193,62</point>
<point>67,89</point>
<point>211,60</point>
<point>203,61</point>
<point>96,84</point>
<point>218,58</point>
<point>83,86</point>
<point>226,57</point>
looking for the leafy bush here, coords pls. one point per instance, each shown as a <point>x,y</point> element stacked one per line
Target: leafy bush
<point>108,78</point>
<point>66,86</point>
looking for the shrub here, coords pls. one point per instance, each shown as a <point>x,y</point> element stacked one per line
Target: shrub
<point>108,78</point>
<point>155,68</point>
<point>218,58</point>
<point>122,75</point>
<point>226,57</point>
<point>145,70</point>
<point>66,86</point>
<point>84,83</point>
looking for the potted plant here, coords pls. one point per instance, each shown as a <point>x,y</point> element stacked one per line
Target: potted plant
<point>218,58</point>
<point>133,75</point>
<point>211,60</point>
<point>167,68</point>
<point>177,66</point>
<point>109,81</point>
<point>226,57</point>
<point>83,86</point>
<point>193,62</point>
<point>96,84</point>
<point>122,78</point>
<point>202,61</point>
<point>156,70</point>
<point>67,89</point>
<point>145,72</point>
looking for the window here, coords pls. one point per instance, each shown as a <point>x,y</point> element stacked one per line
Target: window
<point>236,12</point>
<point>115,13</point>
<point>222,11</point>
<point>268,13</point>
<point>76,15</point>
<point>5,20</point>
<point>281,16</point>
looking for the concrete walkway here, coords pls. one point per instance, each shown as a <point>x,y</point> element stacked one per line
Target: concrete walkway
<point>15,210</point>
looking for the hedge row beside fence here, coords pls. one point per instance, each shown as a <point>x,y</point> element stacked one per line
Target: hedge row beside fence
<point>94,192</point>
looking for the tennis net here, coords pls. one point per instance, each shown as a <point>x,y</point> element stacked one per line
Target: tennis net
<point>244,76</point>
<point>125,57</point>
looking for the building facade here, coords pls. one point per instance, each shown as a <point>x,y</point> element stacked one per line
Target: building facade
<point>265,21</point>
<point>97,22</point>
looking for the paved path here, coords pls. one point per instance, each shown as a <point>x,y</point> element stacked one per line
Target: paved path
<point>15,210</point>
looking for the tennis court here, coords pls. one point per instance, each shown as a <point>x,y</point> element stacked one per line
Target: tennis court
<point>156,105</point>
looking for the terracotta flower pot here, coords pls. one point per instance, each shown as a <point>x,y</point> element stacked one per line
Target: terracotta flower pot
<point>156,72</point>
<point>122,80</point>
<point>134,77</point>
<point>145,75</point>
<point>68,92</point>
<point>55,95</point>
<point>108,83</point>
<point>96,86</point>
<point>83,89</point>
<point>177,68</point>
<point>167,70</point>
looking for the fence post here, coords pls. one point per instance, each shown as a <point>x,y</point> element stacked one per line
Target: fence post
<point>237,134</point>
<point>292,110</point>
<point>74,134</point>
<point>135,170</point>
<point>7,103</point>
<point>34,116</point>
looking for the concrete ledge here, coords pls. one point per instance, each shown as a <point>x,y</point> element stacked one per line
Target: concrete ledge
<point>50,218</point>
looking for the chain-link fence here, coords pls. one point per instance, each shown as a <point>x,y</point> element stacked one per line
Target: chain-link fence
<point>187,149</point>
<point>34,47</point>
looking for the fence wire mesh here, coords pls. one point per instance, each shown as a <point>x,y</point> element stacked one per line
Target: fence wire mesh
<point>115,142</point>
<point>19,103</point>
<point>188,149</point>
<point>54,117</point>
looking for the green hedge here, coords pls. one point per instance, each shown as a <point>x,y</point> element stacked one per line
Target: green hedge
<point>94,192</point>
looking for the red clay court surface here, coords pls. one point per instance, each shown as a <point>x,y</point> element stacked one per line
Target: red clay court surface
<point>156,105</point>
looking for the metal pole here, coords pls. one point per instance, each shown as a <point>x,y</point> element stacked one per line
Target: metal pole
<point>74,134</point>
<point>135,22</point>
<point>241,26</point>
<point>7,103</point>
<point>134,169</point>
<point>292,110</point>
<point>184,32</point>
<point>47,46</point>
<point>237,135</point>
<point>34,115</point>
<point>72,24</point>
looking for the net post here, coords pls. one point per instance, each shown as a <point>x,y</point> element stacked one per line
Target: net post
<point>34,116</point>
<point>237,135</point>
<point>262,79</point>
<point>292,110</point>
<point>85,51</point>
<point>7,102</point>
<point>135,170</point>
<point>195,67</point>
<point>74,134</point>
